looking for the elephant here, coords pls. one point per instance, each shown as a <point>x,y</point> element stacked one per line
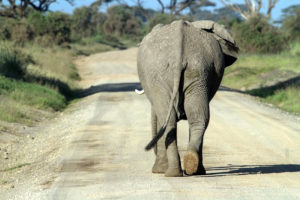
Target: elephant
<point>180,67</point>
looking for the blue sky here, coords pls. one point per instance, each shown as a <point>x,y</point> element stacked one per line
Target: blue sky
<point>276,13</point>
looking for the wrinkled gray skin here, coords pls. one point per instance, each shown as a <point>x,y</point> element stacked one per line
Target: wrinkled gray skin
<point>180,67</point>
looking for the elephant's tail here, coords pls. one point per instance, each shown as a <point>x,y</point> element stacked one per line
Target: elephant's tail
<point>177,76</point>
<point>160,133</point>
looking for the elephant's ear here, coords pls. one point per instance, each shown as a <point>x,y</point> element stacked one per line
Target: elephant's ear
<point>227,43</point>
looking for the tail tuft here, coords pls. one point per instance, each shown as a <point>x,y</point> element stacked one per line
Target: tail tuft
<point>152,143</point>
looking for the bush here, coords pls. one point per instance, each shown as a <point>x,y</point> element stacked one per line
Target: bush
<point>37,21</point>
<point>121,21</point>
<point>12,62</point>
<point>256,35</point>
<point>295,48</point>
<point>5,31</point>
<point>45,40</point>
<point>17,30</point>
<point>21,33</point>
<point>58,26</point>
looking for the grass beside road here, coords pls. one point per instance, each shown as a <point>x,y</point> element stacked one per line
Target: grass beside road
<point>35,81</point>
<point>274,78</point>
<point>257,70</point>
<point>286,98</point>
<point>19,100</point>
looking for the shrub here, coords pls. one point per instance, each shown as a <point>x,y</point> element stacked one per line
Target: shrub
<point>256,35</point>
<point>37,21</point>
<point>12,62</point>
<point>21,33</point>
<point>4,34</point>
<point>121,21</point>
<point>45,40</point>
<point>58,27</point>
<point>295,48</point>
<point>14,29</point>
<point>5,31</point>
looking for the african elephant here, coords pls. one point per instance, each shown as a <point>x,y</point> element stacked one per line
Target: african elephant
<point>180,67</point>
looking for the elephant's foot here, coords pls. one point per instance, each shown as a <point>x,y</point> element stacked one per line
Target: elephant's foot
<point>173,172</point>
<point>160,167</point>
<point>192,166</point>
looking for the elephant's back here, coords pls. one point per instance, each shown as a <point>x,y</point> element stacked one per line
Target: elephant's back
<point>156,57</point>
<point>157,47</point>
<point>202,53</point>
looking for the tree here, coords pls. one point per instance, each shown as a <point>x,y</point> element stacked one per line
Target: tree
<point>97,3</point>
<point>15,8</point>
<point>253,8</point>
<point>223,14</point>
<point>227,14</point>
<point>291,22</point>
<point>121,21</point>
<point>142,13</point>
<point>86,22</point>
<point>176,7</point>
<point>58,27</point>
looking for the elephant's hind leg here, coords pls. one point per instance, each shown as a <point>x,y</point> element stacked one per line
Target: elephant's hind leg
<point>169,142</point>
<point>174,165</point>
<point>197,109</point>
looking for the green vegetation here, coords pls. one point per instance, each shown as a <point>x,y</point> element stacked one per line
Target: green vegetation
<point>159,18</point>
<point>285,97</point>
<point>291,25</point>
<point>121,21</point>
<point>257,35</point>
<point>16,167</point>
<point>12,61</point>
<point>273,77</point>
<point>3,182</point>
<point>17,97</point>
<point>30,82</point>
<point>256,70</point>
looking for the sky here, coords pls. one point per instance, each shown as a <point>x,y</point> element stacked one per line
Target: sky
<point>276,13</point>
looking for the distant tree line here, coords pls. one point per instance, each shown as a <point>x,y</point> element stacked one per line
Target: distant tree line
<point>31,20</point>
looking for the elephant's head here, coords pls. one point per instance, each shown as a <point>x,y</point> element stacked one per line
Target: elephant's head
<point>227,43</point>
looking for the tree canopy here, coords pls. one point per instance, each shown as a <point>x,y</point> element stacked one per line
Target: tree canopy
<point>17,8</point>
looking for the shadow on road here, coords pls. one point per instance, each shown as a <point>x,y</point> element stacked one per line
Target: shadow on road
<point>122,87</point>
<point>109,87</point>
<point>236,170</point>
<point>227,89</point>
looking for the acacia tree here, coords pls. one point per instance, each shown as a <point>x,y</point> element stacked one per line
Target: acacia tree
<point>15,8</point>
<point>253,7</point>
<point>176,7</point>
<point>291,22</point>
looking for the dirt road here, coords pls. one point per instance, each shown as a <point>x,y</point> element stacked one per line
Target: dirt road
<point>251,151</point>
